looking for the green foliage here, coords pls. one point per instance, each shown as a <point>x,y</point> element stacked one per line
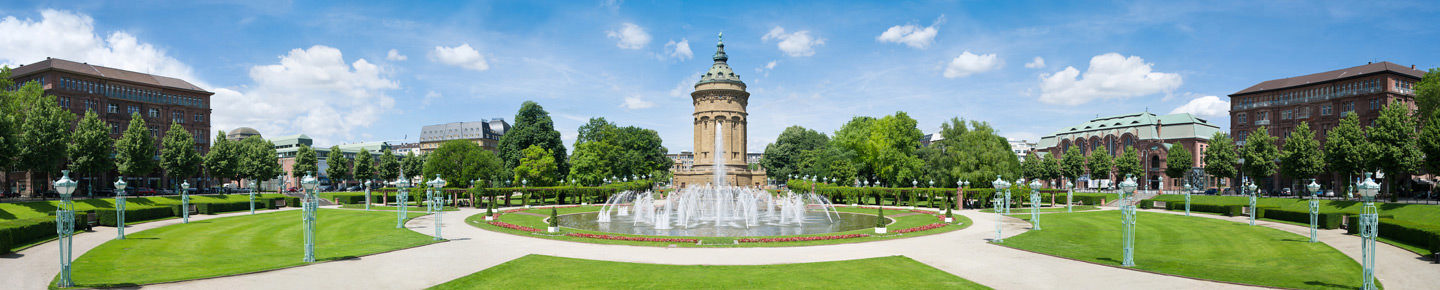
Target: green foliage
<point>533,127</point>
<point>1392,147</point>
<point>90,146</point>
<point>44,136</point>
<point>851,138</point>
<point>339,166</point>
<point>1053,169</point>
<point>1072,164</point>
<point>782,158</point>
<point>459,162</point>
<point>223,160</point>
<point>1221,156</point>
<point>135,151</point>
<point>389,167</point>
<point>1178,161</point>
<point>554,217</point>
<point>890,150</point>
<point>412,165</point>
<point>364,168</point>
<point>9,139</point>
<point>133,214</point>
<point>1302,157</point>
<point>1100,165</point>
<point>982,153</point>
<point>1128,165</point>
<point>1427,95</point>
<point>1429,143</point>
<point>1260,154</point>
<point>1345,148</point>
<point>609,150</point>
<point>1033,166</point>
<point>20,232</point>
<point>880,222</point>
<point>306,163</point>
<point>178,155</point>
<point>537,167</point>
<point>258,159</point>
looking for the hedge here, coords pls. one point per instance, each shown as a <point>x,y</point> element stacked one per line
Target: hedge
<point>106,216</point>
<point>1419,235</point>
<point>26,231</point>
<point>219,207</point>
<point>1326,220</point>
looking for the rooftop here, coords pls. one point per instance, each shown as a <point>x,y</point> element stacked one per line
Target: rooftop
<point>1344,73</point>
<point>106,72</point>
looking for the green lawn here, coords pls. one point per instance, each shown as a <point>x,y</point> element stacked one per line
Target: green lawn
<point>1026,210</point>
<point>902,222</point>
<point>1196,247</point>
<point>1418,213</point>
<point>235,245</point>
<point>24,210</point>
<point>546,272</point>
<point>392,208</point>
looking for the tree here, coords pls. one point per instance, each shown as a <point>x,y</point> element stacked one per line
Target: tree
<point>1053,168</point>
<point>1260,154</point>
<point>983,154</point>
<point>537,167</point>
<point>306,163</point>
<point>389,167</point>
<point>1427,95</point>
<point>459,162</point>
<point>1128,165</point>
<point>1100,164</point>
<point>178,155</point>
<point>1345,149</point>
<point>44,136</point>
<point>223,160</point>
<point>8,141</point>
<point>364,168</point>
<point>412,165</point>
<point>90,148</point>
<point>1032,167</point>
<point>1392,145</point>
<point>591,163</point>
<point>851,138</point>
<point>257,159</point>
<point>1072,165</point>
<point>782,157</point>
<point>594,130</point>
<point>533,127</point>
<point>135,151</point>
<point>1429,144</point>
<point>1302,157</point>
<point>338,168</point>
<point>1178,161</point>
<point>1221,156</point>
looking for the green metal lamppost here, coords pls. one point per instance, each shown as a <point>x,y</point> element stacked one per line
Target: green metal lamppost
<point>120,208</point>
<point>1187,198</point>
<point>999,184</point>
<point>1369,223</point>
<point>65,226</point>
<point>367,195</point>
<point>1009,199</point>
<point>437,202</point>
<point>1127,220</point>
<point>308,214</point>
<point>252,195</point>
<point>1035,204</point>
<point>1314,209</point>
<point>1069,196</point>
<point>402,193</point>
<point>1254,191</point>
<point>185,202</point>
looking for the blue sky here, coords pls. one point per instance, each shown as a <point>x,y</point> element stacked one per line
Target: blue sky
<point>353,71</point>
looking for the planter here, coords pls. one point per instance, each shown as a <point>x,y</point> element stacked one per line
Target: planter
<point>949,220</point>
<point>853,205</point>
<point>489,218</point>
<point>879,230</point>
<point>554,229</point>
<point>527,206</point>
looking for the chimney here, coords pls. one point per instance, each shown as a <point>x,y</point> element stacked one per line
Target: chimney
<point>1412,66</point>
<point>1369,62</point>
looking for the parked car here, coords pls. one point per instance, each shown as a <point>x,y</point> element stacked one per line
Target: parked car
<point>1211,191</point>
<point>144,191</point>
<point>327,188</point>
<point>1286,192</point>
<point>354,188</point>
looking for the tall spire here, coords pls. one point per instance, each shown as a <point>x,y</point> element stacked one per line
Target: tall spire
<point>720,49</point>
<point>720,71</point>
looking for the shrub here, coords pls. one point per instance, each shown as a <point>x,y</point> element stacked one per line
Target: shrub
<point>1326,220</point>
<point>223,206</point>
<point>292,201</point>
<point>1420,235</point>
<point>25,231</point>
<point>107,217</point>
<point>880,221</point>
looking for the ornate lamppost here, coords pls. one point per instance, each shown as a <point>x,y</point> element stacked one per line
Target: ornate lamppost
<point>999,184</point>
<point>1186,186</point>
<point>185,203</point>
<point>1314,189</point>
<point>120,208</point>
<point>65,227</point>
<point>402,193</point>
<point>1069,207</point>
<point>437,202</point>
<point>1254,191</point>
<point>1035,204</point>
<point>1369,226</point>
<point>1127,220</point>
<point>308,214</point>
<point>1008,199</point>
<point>252,195</point>
<point>367,195</point>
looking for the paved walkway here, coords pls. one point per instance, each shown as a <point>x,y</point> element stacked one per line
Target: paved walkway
<point>965,253</point>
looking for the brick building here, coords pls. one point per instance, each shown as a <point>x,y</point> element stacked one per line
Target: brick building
<point>115,94</point>
<point>1151,135</point>
<point>1320,99</point>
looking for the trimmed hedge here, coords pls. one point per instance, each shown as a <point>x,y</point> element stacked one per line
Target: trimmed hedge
<point>1419,235</point>
<point>106,216</point>
<point>1326,220</point>
<point>25,231</point>
<point>219,207</point>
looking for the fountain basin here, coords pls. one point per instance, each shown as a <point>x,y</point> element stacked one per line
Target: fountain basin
<point>816,223</point>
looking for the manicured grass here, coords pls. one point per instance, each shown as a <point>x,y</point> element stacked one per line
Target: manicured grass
<point>1196,247</point>
<point>900,222</point>
<point>235,245</point>
<point>24,210</point>
<point>1418,213</point>
<point>392,208</point>
<point>1026,210</point>
<point>546,272</point>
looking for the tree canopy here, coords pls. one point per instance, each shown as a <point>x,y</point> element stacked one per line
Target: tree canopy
<point>44,133</point>
<point>1072,165</point>
<point>178,155</point>
<point>1393,149</point>
<point>460,162</point>
<point>1427,95</point>
<point>364,168</point>
<point>1260,154</point>
<point>1221,156</point>
<point>1100,164</point>
<point>1128,165</point>
<point>609,150</point>
<point>1345,148</point>
<point>782,158</point>
<point>388,167</point>
<point>1178,161</point>
<point>306,163</point>
<point>258,159</point>
<point>337,166</point>
<point>537,167</point>
<point>223,160</point>
<point>90,147</point>
<point>533,127</point>
<point>1302,158</point>
<point>135,151</point>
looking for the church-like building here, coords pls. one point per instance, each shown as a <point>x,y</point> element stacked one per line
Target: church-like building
<point>720,100</point>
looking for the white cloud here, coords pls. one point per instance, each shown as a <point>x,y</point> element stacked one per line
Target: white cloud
<point>312,91</point>
<point>679,50</point>
<point>395,55</point>
<point>685,86</point>
<point>969,63</point>
<point>630,36</point>
<point>635,102</point>
<point>1207,106</point>
<point>462,56</point>
<point>1110,76</point>
<point>1037,63</point>
<point>770,65</point>
<point>430,96</point>
<point>795,44</point>
<point>764,71</point>
<point>71,36</point>
<point>911,34</point>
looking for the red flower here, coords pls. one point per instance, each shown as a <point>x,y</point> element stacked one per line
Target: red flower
<point>801,239</point>
<point>922,228</point>
<point>626,238</point>
<point>513,227</point>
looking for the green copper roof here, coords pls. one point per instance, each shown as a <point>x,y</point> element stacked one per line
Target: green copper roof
<point>720,71</point>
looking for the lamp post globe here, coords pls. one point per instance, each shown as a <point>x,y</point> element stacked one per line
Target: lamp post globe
<point>308,214</point>
<point>65,221</point>
<point>120,208</point>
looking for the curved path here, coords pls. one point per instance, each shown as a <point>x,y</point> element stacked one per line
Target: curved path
<point>965,253</point>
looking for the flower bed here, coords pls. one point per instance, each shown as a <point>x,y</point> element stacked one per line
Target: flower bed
<point>801,239</point>
<point>637,239</point>
<point>921,228</point>
<point>514,210</point>
<point>514,227</point>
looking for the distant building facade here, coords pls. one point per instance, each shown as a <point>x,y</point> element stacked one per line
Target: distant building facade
<point>1322,100</point>
<point>484,133</point>
<point>1151,135</point>
<point>114,94</point>
<point>241,133</point>
<point>287,147</point>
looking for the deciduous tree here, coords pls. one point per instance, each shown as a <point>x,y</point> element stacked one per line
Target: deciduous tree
<point>1345,149</point>
<point>135,151</point>
<point>307,162</point>
<point>1128,165</point>
<point>1393,149</point>
<point>178,155</point>
<point>1260,154</point>
<point>782,158</point>
<point>459,162</point>
<point>364,168</point>
<point>1100,164</point>
<point>533,127</point>
<point>537,167</point>
<point>1221,156</point>
<point>1302,158</point>
<point>1072,165</point>
<point>337,166</point>
<point>90,148</point>
<point>1178,161</point>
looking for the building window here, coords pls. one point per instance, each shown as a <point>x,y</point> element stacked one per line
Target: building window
<point>133,109</point>
<point>114,129</point>
<point>154,133</point>
<point>199,118</point>
<point>1349,106</point>
<point>112,108</point>
<point>64,102</point>
<point>1374,104</point>
<point>1304,113</point>
<point>178,117</point>
<point>1262,116</point>
<point>1325,110</point>
<point>154,113</point>
<point>1241,117</point>
<point>1286,114</point>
